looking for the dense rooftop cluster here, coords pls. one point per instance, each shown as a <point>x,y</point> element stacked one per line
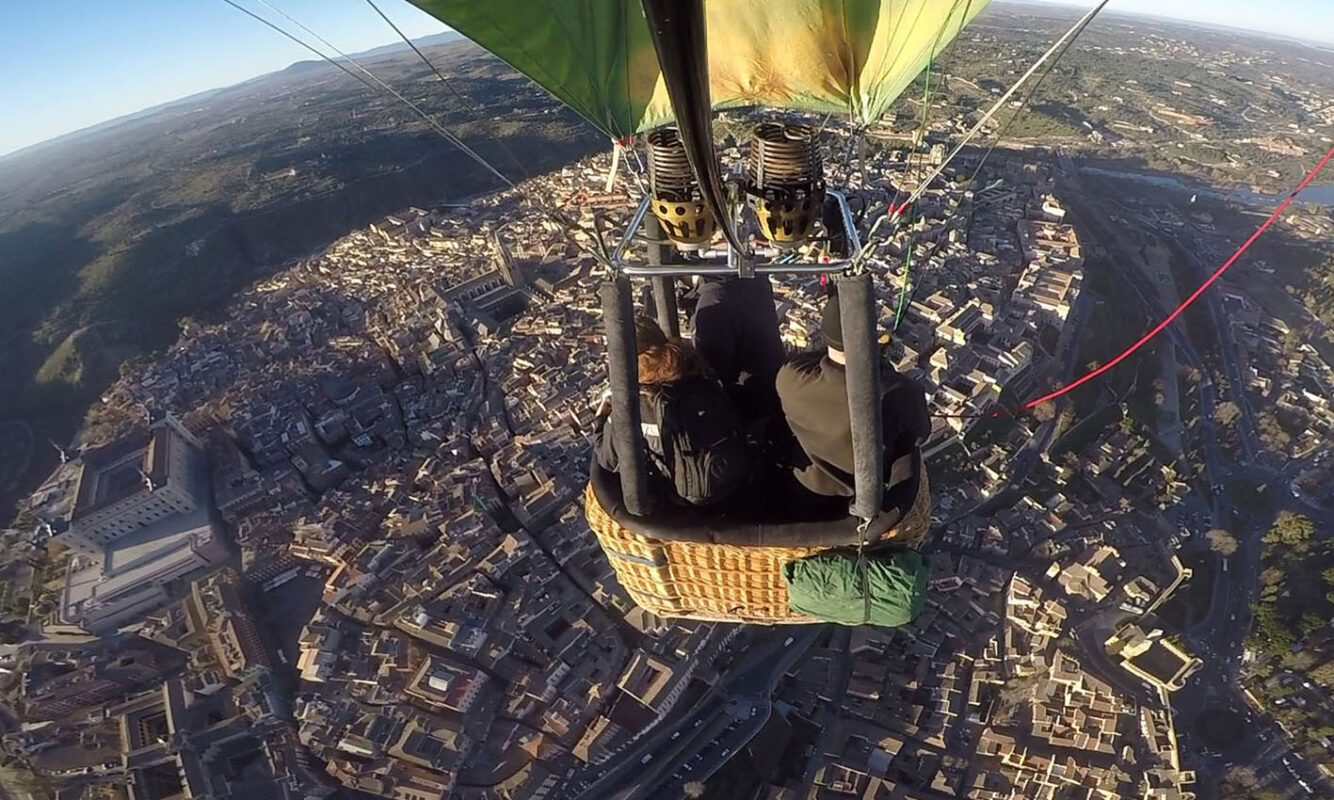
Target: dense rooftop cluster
<point>401,422</point>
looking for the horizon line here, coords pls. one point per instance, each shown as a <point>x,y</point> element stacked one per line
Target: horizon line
<point>1319,44</point>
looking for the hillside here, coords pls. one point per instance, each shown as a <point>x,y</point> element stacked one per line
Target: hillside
<point>164,214</point>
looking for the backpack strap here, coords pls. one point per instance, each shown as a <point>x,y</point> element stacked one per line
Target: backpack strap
<point>655,426</point>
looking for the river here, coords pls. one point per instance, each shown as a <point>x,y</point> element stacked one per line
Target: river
<point>1320,193</point>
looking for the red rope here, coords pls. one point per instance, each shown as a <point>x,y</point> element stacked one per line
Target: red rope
<point>1175,313</point>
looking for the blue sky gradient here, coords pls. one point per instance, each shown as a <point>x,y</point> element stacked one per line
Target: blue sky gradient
<point>68,64</point>
<point>1310,20</point>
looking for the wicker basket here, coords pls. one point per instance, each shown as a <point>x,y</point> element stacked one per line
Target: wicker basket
<point>720,583</point>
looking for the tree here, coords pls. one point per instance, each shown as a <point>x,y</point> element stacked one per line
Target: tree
<point>693,789</point>
<point>1290,529</point>
<point>1222,542</point>
<point>1272,433</point>
<point>1323,674</point>
<point>131,364</point>
<point>1241,778</point>
<point>1066,420</point>
<point>25,521</point>
<point>1045,412</point>
<point>1227,412</point>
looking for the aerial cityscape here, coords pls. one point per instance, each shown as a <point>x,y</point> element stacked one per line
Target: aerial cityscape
<point>322,533</point>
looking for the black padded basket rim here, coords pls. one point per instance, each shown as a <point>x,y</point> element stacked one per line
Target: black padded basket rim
<point>677,524</point>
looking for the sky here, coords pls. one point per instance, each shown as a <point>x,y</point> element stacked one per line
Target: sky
<point>68,64</point>
<point>1310,20</point>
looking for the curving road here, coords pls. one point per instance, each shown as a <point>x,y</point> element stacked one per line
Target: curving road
<point>1219,637</point>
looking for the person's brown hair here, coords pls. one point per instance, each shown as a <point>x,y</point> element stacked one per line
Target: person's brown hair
<point>663,360</point>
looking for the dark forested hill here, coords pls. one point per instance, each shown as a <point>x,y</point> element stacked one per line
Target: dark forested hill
<point>120,230</point>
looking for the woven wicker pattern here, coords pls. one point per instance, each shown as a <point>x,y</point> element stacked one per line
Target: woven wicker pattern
<point>722,583</point>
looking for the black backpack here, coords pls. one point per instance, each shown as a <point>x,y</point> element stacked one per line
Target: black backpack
<point>699,444</point>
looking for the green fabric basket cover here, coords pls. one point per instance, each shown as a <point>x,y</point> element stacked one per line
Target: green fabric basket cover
<point>828,585</point>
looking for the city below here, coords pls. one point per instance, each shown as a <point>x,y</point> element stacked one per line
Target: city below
<point>332,541</point>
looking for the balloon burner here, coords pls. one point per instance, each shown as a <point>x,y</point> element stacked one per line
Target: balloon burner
<point>785,182</point>
<point>677,201</point>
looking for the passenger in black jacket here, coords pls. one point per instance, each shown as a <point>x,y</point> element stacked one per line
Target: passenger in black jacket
<point>813,388</point>
<point>736,330</point>
<point>690,429</point>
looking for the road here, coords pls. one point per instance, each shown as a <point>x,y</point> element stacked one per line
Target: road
<point>748,705</point>
<point>748,684</point>
<point>1191,249</point>
<point>1219,637</point>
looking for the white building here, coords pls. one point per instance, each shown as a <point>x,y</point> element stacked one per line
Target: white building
<point>140,520</point>
<point>132,483</point>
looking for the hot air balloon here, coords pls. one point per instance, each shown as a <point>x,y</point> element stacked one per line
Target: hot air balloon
<point>658,69</point>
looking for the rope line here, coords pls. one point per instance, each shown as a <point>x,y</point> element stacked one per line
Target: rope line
<point>598,248</point>
<point>1178,311</point>
<point>442,130</point>
<point>1069,35</point>
<point>304,44</point>
<point>477,110</point>
<point>1023,106</point>
<point>894,214</point>
<point>917,144</point>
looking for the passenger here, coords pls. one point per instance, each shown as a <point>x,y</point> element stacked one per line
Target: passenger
<point>813,388</point>
<point>736,330</point>
<point>690,429</point>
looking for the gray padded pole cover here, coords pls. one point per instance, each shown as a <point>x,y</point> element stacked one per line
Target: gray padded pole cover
<point>664,288</point>
<point>860,342</point>
<point>618,317</point>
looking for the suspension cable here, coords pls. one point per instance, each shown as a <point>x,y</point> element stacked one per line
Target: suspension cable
<point>449,85</point>
<point>895,214</point>
<point>912,234</point>
<point>597,249</point>
<point>442,130</point>
<point>304,44</point>
<point>920,138</point>
<point>1023,106</point>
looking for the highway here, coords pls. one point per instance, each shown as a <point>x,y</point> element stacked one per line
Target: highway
<point>1219,636</point>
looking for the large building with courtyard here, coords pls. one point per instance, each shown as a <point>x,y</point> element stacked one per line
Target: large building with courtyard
<point>140,520</point>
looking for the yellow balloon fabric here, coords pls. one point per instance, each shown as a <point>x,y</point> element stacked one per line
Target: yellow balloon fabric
<point>849,57</point>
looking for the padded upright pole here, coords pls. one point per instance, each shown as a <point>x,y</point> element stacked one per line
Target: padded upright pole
<point>664,288</point>
<point>618,316</point>
<point>664,300</point>
<point>857,306</point>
